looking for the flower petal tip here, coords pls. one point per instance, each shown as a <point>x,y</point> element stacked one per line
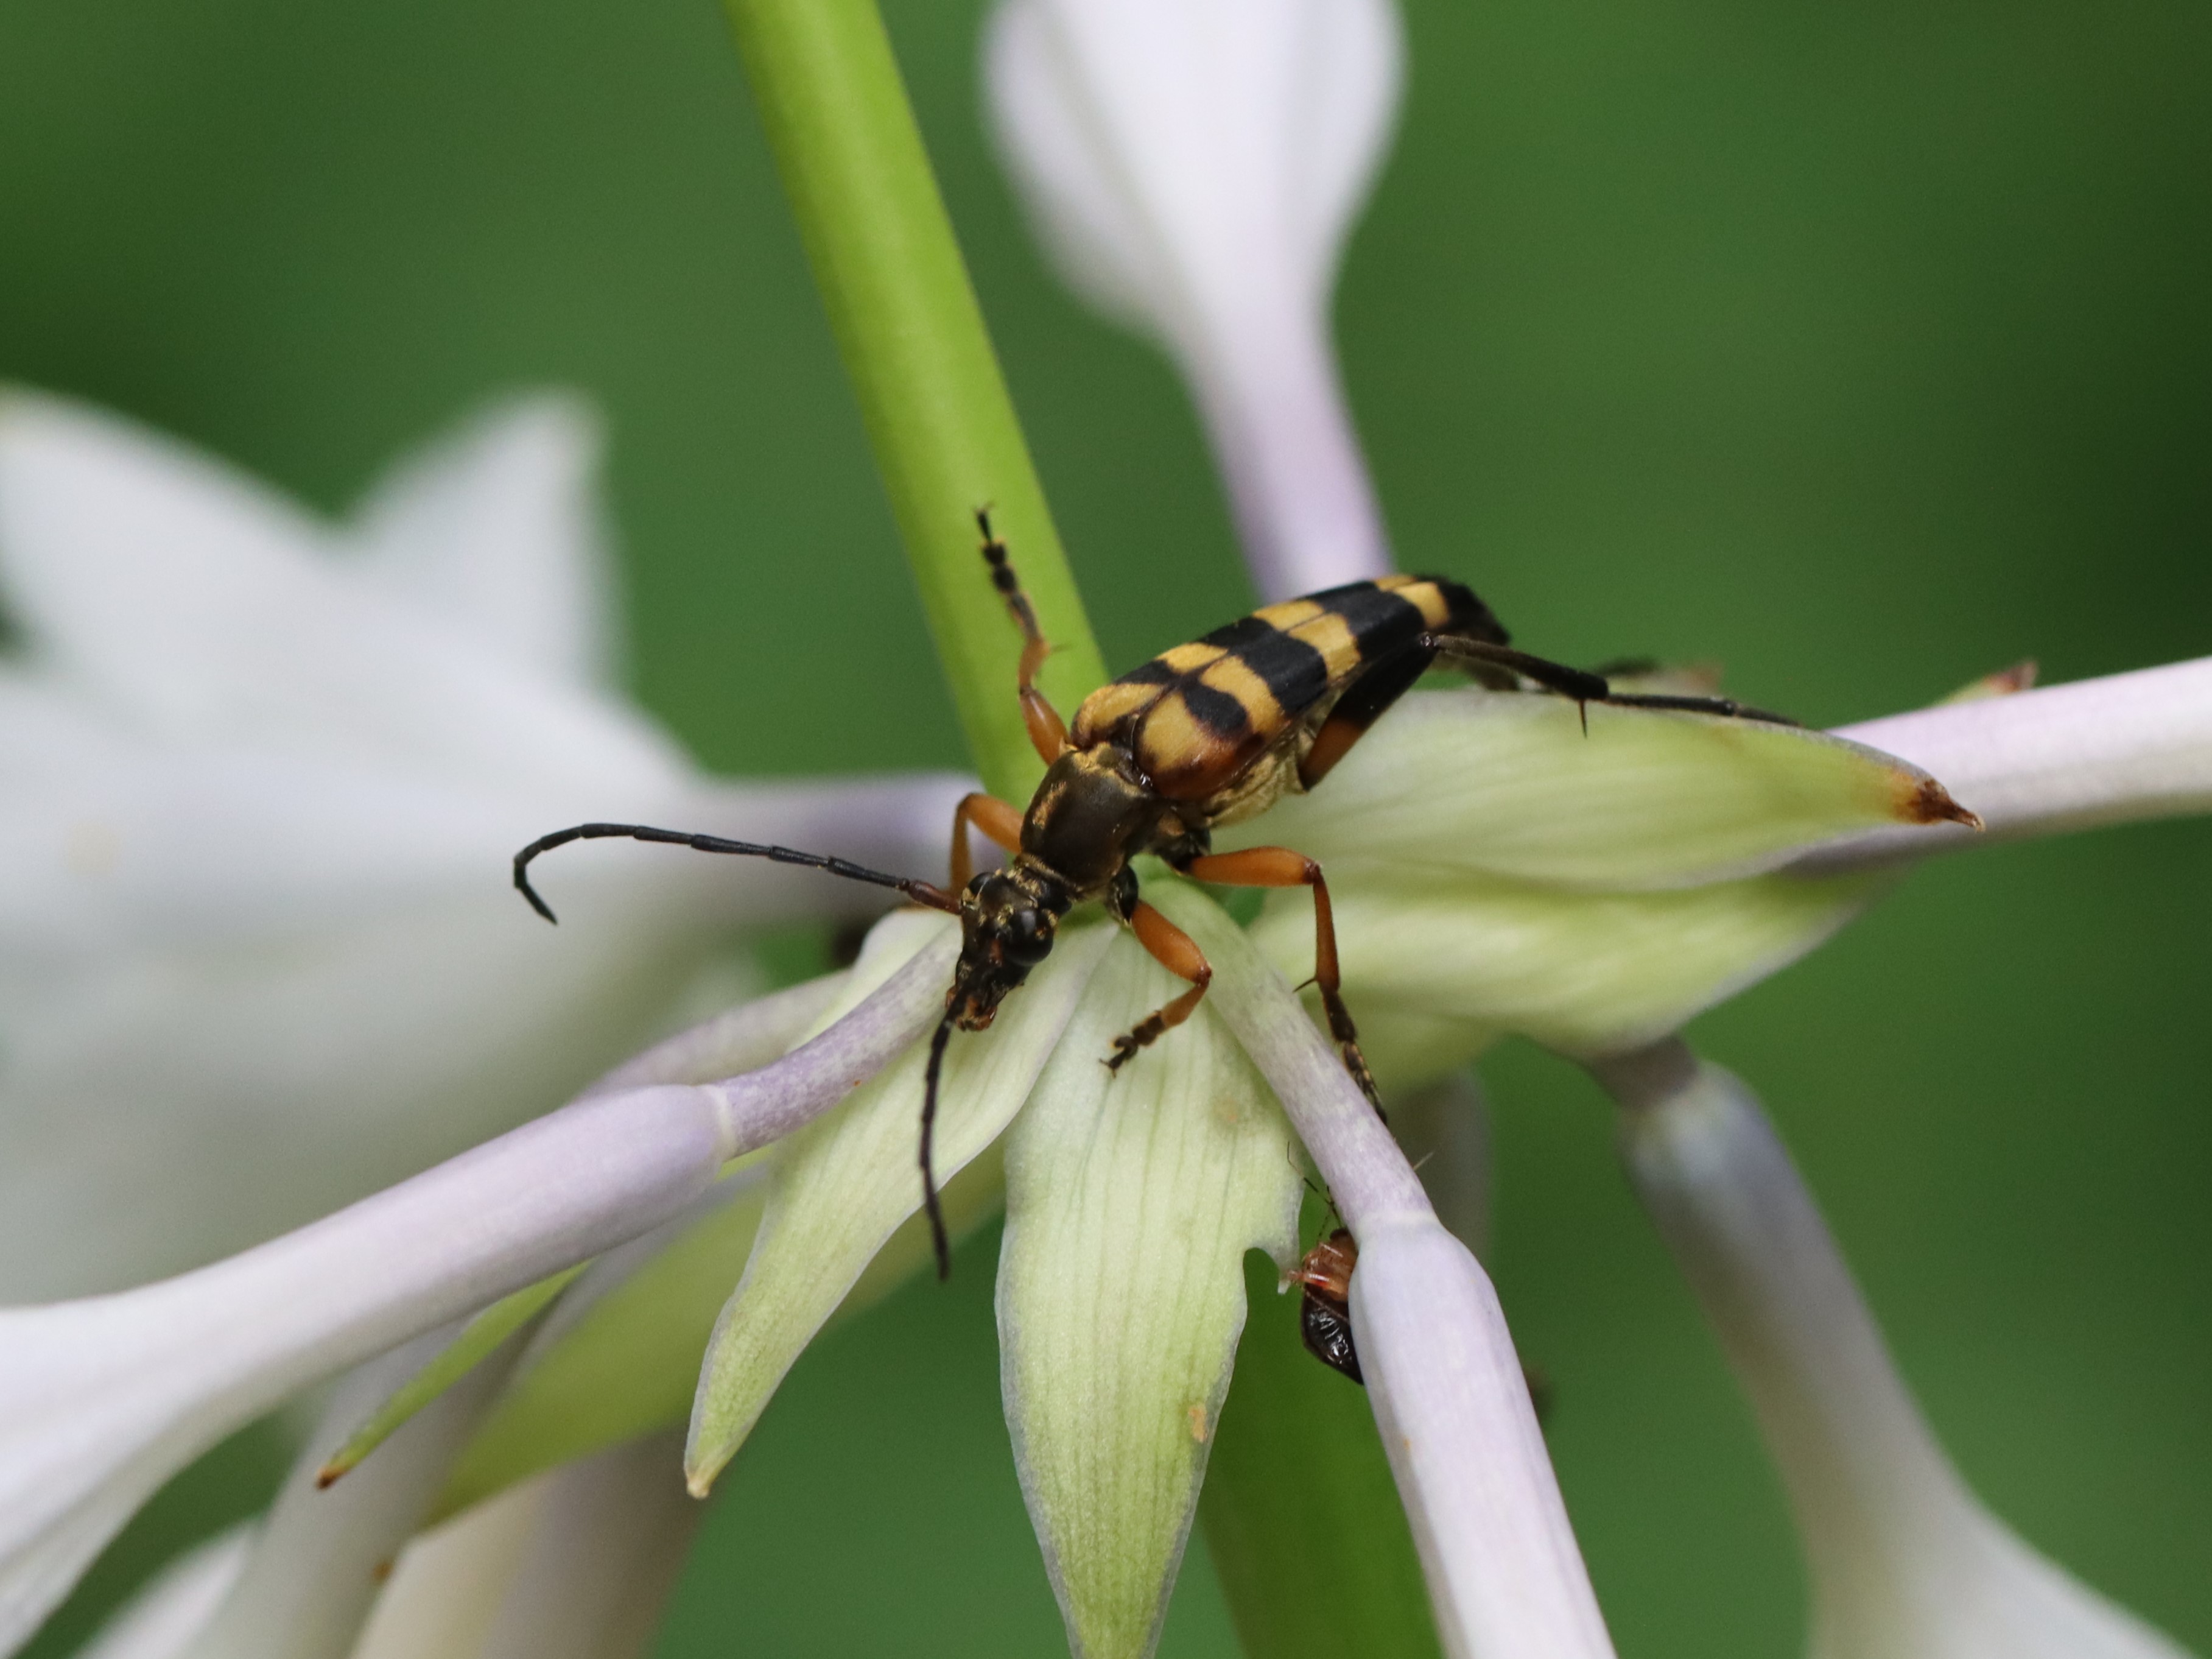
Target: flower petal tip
<point>1924,801</point>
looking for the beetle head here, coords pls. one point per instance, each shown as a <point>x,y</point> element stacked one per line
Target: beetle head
<point>1008,919</point>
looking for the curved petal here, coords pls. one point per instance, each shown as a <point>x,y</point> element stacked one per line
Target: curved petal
<point>496,527</point>
<point>1905,1562</point>
<point>1581,972</point>
<point>320,1558</point>
<point>158,1620</point>
<point>1505,1581</point>
<point>2059,757</point>
<point>1131,1199</point>
<point>208,982</point>
<point>102,1400</point>
<point>1452,1404</point>
<point>193,602</point>
<point>607,1547</point>
<point>1193,166</point>
<point>620,1357</point>
<point>842,1188</point>
<point>1507,784</point>
<point>750,1034</point>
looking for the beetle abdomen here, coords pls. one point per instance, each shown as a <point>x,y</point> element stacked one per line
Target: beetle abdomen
<point>1196,717</point>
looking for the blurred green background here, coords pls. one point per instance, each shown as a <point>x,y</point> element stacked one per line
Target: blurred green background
<point>1868,351</point>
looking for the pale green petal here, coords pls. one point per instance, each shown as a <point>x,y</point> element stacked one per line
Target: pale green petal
<point>619,1355</point>
<point>625,1367</point>
<point>1585,973</point>
<point>843,1184</point>
<point>1130,1204</point>
<point>1506,786</point>
<point>628,1364</point>
<point>455,1361</point>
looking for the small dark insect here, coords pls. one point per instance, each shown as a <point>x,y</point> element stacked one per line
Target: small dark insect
<point>1208,734</point>
<point>1324,1277</point>
<point>1325,1303</point>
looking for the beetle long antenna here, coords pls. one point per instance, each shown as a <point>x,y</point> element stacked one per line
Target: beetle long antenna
<point>923,893</point>
<point>937,1236</point>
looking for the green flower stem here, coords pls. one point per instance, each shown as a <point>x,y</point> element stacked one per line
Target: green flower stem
<point>907,324</point>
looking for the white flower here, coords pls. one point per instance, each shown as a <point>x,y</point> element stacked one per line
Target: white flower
<point>263,777</point>
<point>101,1399</point>
<point>1905,1562</point>
<point>1194,167</point>
<point>306,1585</point>
<point>581,1571</point>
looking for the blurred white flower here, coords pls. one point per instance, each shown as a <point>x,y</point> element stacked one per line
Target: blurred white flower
<point>319,1557</point>
<point>578,1565</point>
<point>103,1399</point>
<point>1194,167</point>
<point>263,776</point>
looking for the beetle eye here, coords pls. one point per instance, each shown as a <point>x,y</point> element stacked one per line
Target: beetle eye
<point>1027,939</point>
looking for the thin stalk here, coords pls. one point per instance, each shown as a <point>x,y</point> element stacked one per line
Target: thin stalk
<point>936,407</point>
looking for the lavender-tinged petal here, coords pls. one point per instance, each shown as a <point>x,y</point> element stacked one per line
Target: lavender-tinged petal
<point>619,1354</point>
<point>1275,409</point>
<point>1131,1199</point>
<point>607,1549</point>
<point>1192,167</point>
<point>1505,1576</point>
<point>318,1560</point>
<point>1505,1580</point>
<point>2108,751</point>
<point>751,1034</point>
<point>1905,1562</point>
<point>101,1399</point>
<point>767,1105</point>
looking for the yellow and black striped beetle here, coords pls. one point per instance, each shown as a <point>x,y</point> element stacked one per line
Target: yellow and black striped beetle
<point>1207,734</point>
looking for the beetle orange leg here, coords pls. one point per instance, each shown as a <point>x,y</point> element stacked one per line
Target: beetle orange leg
<point>1177,952</point>
<point>989,814</point>
<point>1047,731</point>
<point>1279,866</point>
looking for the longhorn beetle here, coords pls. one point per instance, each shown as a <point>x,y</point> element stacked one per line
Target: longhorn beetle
<point>1206,735</point>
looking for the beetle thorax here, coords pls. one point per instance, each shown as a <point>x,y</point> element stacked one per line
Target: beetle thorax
<point>1088,819</point>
